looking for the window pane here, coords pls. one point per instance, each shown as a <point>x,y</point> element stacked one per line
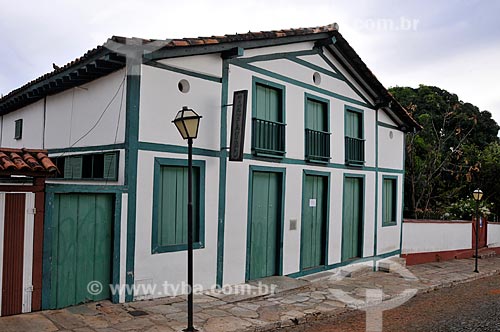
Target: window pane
<point>268,103</point>
<point>98,166</point>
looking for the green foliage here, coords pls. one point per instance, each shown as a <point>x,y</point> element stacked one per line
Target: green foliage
<point>451,156</point>
<point>464,209</point>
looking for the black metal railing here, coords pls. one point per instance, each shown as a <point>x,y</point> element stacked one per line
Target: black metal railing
<point>354,151</point>
<point>317,145</point>
<point>268,137</point>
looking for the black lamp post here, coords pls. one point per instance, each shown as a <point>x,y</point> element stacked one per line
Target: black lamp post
<point>477,194</point>
<point>187,122</point>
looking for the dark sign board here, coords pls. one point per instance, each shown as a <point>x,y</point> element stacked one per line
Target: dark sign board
<point>238,125</point>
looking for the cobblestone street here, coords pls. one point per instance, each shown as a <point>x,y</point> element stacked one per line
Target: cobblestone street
<point>474,306</point>
<point>296,305</point>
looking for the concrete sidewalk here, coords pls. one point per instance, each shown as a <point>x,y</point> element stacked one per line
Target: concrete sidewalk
<point>295,301</point>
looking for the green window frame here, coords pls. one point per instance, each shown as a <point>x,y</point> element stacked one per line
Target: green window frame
<point>169,231</point>
<point>18,130</point>
<point>317,129</point>
<point>101,166</point>
<point>268,118</point>
<point>354,136</point>
<point>389,200</point>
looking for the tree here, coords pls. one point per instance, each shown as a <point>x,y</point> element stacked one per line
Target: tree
<point>442,162</point>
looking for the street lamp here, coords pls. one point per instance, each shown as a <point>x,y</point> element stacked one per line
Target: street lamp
<point>187,122</point>
<point>477,194</point>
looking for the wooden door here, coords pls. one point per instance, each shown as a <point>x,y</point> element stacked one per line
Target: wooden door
<point>352,223</point>
<point>314,220</point>
<point>265,225</point>
<point>81,247</point>
<point>13,254</point>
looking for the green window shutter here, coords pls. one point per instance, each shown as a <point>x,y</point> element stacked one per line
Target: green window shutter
<point>18,133</point>
<point>354,124</point>
<point>317,117</point>
<point>76,165</point>
<point>110,163</point>
<point>172,209</point>
<point>73,168</point>
<point>268,104</point>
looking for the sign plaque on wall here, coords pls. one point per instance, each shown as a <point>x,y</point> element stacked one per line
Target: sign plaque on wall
<point>237,141</point>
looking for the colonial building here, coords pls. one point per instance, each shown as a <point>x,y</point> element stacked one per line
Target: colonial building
<point>320,184</point>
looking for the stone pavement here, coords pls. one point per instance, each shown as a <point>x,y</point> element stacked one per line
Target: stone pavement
<point>294,301</point>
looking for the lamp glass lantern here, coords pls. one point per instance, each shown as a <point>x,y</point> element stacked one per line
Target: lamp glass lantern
<point>187,122</point>
<point>477,194</point>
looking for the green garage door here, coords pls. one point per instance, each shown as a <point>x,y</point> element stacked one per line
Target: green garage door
<point>81,247</point>
<point>314,218</point>
<point>352,223</point>
<point>265,225</point>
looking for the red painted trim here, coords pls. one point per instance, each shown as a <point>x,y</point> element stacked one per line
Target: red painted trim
<point>36,300</point>
<point>434,221</point>
<point>438,256</point>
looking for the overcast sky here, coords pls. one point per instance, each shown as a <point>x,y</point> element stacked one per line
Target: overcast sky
<point>453,44</point>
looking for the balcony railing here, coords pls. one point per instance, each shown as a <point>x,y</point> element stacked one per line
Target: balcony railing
<point>354,151</point>
<point>268,138</point>
<point>317,145</point>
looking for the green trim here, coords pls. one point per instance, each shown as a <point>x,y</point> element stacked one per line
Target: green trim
<point>131,160</point>
<point>95,148</point>
<point>386,125</point>
<point>183,71</point>
<point>348,108</point>
<point>158,163</point>
<point>324,57</point>
<point>259,81</point>
<point>292,161</point>
<point>327,175</point>
<point>308,96</point>
<point>51,191</point>
<point>361,176</point>
<point>342,264</point>
<point>158,147</point>
<point>282,172</point>
<point>403,194</point>
<point>317,68</point>
<point>221,209</point>
<point>83,188</point>
<point>278,56</point>
<point>295,82</point>
<point>395,199</point>
<point>227,46</point>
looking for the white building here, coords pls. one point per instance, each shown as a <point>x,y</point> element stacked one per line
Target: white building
<point>320,185</point>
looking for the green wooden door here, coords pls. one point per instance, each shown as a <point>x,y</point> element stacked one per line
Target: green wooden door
<point>352,224</point>
<point>81,247</point>
<point>314,219</point>
<point>265,225</point>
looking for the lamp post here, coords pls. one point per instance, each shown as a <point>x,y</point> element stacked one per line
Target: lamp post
<point>477,194</point>
<point>187,122</point>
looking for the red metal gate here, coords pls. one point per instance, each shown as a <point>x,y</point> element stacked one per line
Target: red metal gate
<point>483,226</point>
<point>13,253</point>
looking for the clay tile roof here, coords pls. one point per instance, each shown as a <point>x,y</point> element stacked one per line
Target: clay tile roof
<point>25,162</point>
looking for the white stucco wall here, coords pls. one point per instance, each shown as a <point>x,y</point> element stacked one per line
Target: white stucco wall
<point>161,100</point>
<point>32,135</point>
<point>170,267</point>
<point>436,236</point>
<point>493,234</point>
<point>72,113</point>
<point>391,147</point>
<point>388,237</point>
